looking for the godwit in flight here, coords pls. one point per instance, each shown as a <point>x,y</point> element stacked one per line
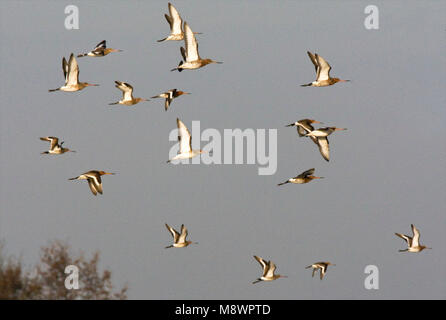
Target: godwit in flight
<point>99,51</point>
<point>318,136</point>
<point>322,266</point>
<point>304,177</point>
<point>185,140</point>
<point>169,96</point>
<point>322,67</point>
<point>127,97</point>
<point>176,25</point>
<point>179,240</point>
<point>268,271</point>
<point>71,74</point>
<point>413,243</point>
<point>55,147</point>
<point>304,126</point>
<point>191,56</point>
<point>94,180</point>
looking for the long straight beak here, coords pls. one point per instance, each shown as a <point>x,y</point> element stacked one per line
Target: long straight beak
<point>92,85</point>
<point>290,125</point>
<point>110,173</point>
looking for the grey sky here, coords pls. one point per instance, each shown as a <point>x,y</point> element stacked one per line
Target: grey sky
<point>386,171</point>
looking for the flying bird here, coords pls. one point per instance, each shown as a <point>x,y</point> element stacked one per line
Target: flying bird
<point>413,243</point>
<point>185,140</point>
<point>304,177</point>
<point>169,96</point>
<point>94,180</point>
<point>71,74</point>
<point>179,239</point>
<point>99,51</point>
<point>127,97</point>
<point>268,271</point>
<point>55,147</point>
<point>191,57</point>
<point>322,266</point>
<point>322,67</point>
<point>176,25</point>
<point>318,136</point>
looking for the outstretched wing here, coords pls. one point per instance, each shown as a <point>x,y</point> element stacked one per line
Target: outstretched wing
<point>53,141</point>
<point>191,44</point>
<point>416,236</point>
<point>92,186</point>
<point>263,263</point>
<point>183,234</point>
<point>405,237</point>
<point>306,173</point>
<point>73,71</point>
<point>65,69</point>
<point>183,53</point>
<point>174,233</point>
<point>126,89</point>
<point>324,68</point>
<point>271,269</point>
<point>101,44</point>
<point>324,147</point>
<point>96,181</point>
<point>175,25</point>
<point>313,59</point>
<point>184,137</point>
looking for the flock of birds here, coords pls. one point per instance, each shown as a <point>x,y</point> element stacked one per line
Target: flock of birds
<point>192,60</point>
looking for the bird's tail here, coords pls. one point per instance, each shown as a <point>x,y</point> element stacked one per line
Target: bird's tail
<point>178,68</point>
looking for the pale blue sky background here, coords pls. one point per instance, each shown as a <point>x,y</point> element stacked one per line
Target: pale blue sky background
<point>386,171</point>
